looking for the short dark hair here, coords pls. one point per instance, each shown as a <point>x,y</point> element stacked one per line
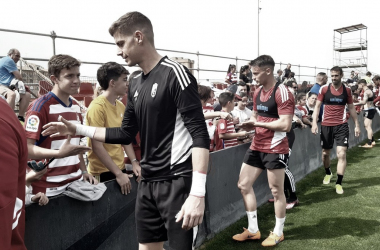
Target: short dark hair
<point>375,78</point>
<point>128,23</point>
<point>243,68</point>
<point>279,70</point>
<point>292,74</point>
<point>226,97</point>
<point>362,81</point>
<point>337,69</point>
<point>368,73</point>
<point>109,71</point>
<point>300,96</point>
<point>355,94</point>
<point>242,83</point>
<point>263,60</point>
<point>321,74</point>
<point>59,62</point>
<point>204,92</point>
<point>354,88</point>
<point>312,93</point>
<point>289,84</point>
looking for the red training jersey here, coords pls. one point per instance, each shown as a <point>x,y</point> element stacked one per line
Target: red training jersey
<point>14,156</point>
<point>266,140</point>
<point>61,172</point>
<point>334,112</point>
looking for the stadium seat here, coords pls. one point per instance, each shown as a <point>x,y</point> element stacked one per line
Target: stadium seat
<point>43,88</point>
<point>84,90</point>
<point>219,86</point>
<point>87,101</point>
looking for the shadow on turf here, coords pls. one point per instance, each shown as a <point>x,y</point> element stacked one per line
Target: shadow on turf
<point>329,228</point>
<point>327,192</point>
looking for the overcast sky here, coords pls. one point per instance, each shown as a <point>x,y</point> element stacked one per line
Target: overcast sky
<point>295,31</point>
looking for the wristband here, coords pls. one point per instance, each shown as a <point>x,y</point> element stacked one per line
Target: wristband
<point>198,185</point>
<point>134,160</point>
<point>86,131</point>
<point>84,172</point>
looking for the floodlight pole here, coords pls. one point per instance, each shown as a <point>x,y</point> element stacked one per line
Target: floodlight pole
<point>258,28</point>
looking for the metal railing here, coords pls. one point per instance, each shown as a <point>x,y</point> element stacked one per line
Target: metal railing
<point>307,73</point>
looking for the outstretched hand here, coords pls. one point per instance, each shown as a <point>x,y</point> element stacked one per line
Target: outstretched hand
<point>247,126</point>
<point>60,128</point>
<point>192,212</point>
<point>68,149</point>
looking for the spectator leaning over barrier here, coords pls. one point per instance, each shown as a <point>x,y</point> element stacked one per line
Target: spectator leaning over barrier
<point>13,154</point>
<point>271,118</point>
<point>206,94</point>
<point>227,136</point>
<point>64,73</point>
<point>241,111</point>
<point>301,105</point>
<point>40,197</point>
<point>368,113</point>
<point>9,77</point>
<point>334,125</point>
<point>106,161</point>
<point>243,74</point>
<point>231,77</point>
<point>164,105</point>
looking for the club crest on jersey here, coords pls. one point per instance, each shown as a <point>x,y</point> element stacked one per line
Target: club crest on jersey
<point>154,90</point>
<point>32,123</point>
<point>135,96</point>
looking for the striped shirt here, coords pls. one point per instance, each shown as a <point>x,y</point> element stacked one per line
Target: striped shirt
<point>61,172</point>
<point>227,127</point>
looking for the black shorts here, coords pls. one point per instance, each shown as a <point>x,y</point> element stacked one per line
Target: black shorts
<point>339,133</point>
<point>369,113</point>
<point>157,204</point>
<point>265,160</point>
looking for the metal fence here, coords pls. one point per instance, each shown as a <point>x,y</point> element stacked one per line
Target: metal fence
<point>206,66</point>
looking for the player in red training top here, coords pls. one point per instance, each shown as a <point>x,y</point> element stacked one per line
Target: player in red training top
<point>272,115</point>
<point>334,124</point>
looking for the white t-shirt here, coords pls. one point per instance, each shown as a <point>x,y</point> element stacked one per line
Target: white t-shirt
<point>243,115</point>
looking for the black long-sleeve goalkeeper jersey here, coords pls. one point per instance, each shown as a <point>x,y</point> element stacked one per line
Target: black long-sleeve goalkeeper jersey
<point>164,106</point>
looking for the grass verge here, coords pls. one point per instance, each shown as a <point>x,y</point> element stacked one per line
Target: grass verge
<point>324,219</point>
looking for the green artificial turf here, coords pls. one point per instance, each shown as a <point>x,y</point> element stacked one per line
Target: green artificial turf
<point>324,219</point>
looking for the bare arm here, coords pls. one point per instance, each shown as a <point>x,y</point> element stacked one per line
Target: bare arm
<point>17,75</point>
<point>132,156</point>
<point>363,101</point>
<point>233,135</point>
<point>305,120</point>
<point>352,111</point>
<point>212,115</point>
<point>283,124</point>
<point>67,149</point>
<point>314,128</point>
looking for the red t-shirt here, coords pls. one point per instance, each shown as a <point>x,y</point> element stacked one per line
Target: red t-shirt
<point>14,156</point>
<point>227,127</point>
<point>334,115</point>
<point>303,111</point>
<point>61,172</point>
<point>266,140</point>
